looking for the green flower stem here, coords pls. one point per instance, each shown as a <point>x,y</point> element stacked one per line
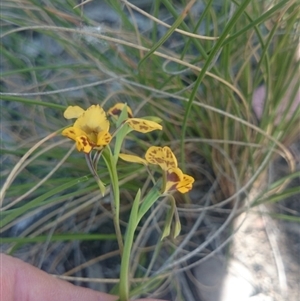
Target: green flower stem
<point>124,272</point>
<point>135,217</point>
<point>112,169</point>
<point>121,132</point>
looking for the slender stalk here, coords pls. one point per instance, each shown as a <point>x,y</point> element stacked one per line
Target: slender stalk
<point>93,170</point>
<point>115,200</point>
<point>125,272</point>
<point>135,217</point>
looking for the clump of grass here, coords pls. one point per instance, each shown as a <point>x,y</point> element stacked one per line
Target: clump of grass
<point>196,67</point>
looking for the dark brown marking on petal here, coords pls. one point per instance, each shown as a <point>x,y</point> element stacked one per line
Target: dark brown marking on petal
<point>144,127</point>
<point>116,112</point>
<point>84,141</point>
<point>173,177</point>
<point>169,163</point>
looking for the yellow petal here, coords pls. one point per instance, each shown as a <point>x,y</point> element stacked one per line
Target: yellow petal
<point>143,125</point>
<point>186,184</point>
<point>163,157</point>
<point>173,177</point>
<point>133,159</point>
<point>83,144</point>
<point>170,158</point>
<point>72,132</point>
<point>103,138</point>
<point>116,110</point>
<point>93,120</point>
<point>73,112</point>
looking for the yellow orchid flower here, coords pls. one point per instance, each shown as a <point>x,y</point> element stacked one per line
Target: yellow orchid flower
<point>90,130</point>
<point>175,179</point>
<point>137,124</point>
